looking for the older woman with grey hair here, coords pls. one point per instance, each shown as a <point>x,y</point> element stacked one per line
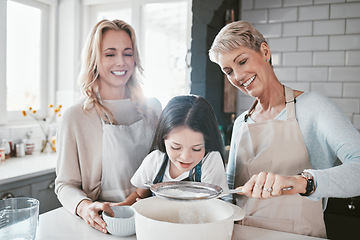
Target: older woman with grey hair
<point>285,147</point>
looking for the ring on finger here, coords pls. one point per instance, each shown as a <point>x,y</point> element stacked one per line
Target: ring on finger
<point>258,186</point>
<point>269,189</point>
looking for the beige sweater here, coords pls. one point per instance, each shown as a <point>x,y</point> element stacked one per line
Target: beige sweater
<point>79,155</point>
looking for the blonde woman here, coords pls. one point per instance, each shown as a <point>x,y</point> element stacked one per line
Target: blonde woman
<point>103,139</point>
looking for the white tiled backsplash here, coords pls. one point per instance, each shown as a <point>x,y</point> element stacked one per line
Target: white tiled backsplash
<point>315,47</point>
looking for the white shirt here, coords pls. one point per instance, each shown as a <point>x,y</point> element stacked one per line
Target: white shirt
<point>212,170</point>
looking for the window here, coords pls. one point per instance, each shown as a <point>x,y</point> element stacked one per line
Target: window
<point>164,38</point>
<point>163,29</point>
<point>24,72</point>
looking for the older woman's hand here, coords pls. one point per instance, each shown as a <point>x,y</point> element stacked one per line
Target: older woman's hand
<point>89,211</point>
<point>268,185</point>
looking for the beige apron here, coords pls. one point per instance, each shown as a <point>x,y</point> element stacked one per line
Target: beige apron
<point>276,146</point>
<point>123,150</point>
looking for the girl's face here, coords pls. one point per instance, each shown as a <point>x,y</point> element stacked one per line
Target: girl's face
<point>117,62</point>
<point>185,149</point>
<point>247,69</point>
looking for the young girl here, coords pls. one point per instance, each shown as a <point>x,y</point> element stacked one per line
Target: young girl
<point>187,146</point>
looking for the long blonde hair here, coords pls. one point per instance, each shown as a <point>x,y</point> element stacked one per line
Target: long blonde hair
<point>89,74</point>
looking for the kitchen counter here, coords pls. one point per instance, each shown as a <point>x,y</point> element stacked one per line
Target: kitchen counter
<point>20,168</point>
<point>59,224</point>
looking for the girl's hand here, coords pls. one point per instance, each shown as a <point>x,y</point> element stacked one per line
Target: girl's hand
<point>117,204</point>
<point>267,185</point>
<point>89,211</point>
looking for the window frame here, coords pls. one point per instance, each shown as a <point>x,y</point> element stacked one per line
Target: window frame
<point>47,56</point>
<point>137,22</point>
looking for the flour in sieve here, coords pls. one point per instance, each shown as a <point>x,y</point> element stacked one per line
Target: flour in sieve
<point>182,194</point>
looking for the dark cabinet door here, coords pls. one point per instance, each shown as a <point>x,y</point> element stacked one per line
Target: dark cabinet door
<point>40,187</point>
<point>342,218</point>
<point>44,192</point>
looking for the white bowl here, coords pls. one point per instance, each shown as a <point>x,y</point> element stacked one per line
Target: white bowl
<point>123,223</point>
<point>162,219</point>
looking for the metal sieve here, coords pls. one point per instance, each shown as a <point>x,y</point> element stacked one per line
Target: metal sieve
<point>188,191</point>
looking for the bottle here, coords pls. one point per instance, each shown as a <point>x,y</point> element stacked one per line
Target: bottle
<point>2,154</point>
<point>222,134</point>
<point>229,129</point>
<point>20,149</point>
<point>4,149</point>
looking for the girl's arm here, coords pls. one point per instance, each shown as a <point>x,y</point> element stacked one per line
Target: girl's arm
<point>131,199</point>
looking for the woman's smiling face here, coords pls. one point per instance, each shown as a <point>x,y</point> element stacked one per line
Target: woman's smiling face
<point>185,149</point>
<point>117,62</point>
<point>246,69</point>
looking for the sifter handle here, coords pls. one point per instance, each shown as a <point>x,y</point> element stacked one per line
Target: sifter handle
<point>239,190</point>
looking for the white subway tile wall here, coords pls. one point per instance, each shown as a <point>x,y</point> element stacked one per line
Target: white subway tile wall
<point>312,74</point>
<point>314,13</point>
<point>297,29</point>
<point>315,47</point>
<point>329,27</point>
<point>352,26</point>
<point>286,74</point>
<point>283,44</point>
<point>313,43</point>
<point>270,30</point>
<point>336,58</point>
<point>352,58</point>
<point>291,3</point>
<point>282,14</point>
<point>267,3</point>
<point>345,10</point>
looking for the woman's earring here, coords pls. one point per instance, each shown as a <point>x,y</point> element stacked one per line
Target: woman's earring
<point>267,60</point>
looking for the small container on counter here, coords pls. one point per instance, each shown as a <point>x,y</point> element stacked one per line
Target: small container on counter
<point>4,149</point>
<point>20,149</point>
<point>29,146</point>
<point>11,153</point>
<point>2,154</point>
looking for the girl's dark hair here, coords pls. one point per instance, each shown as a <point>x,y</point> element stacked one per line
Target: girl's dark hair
<point>190,111</point>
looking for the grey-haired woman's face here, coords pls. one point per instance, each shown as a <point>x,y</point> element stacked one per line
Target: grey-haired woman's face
<point>246,69</point>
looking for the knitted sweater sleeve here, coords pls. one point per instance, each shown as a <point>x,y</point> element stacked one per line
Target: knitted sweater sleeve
<point>78,157</point>
<point>330,138</point>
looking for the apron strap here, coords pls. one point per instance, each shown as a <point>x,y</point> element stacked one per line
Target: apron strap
<point>290,103</point>
<point>197,173</point>
<point>160,175</point>
<point>250,110</point>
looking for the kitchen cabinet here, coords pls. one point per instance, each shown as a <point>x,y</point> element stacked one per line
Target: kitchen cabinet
<point>40,187</point>
<point>342,218</point>
<point>30,176</point>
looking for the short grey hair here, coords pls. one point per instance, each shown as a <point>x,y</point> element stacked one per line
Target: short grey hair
<point>233,36</point>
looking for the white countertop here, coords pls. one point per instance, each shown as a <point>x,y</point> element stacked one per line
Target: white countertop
<point>20,168</point>
<point>59,224</point>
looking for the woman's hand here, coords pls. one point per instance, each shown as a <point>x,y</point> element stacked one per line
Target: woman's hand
<point>268,185</point>
<point>89,211</point>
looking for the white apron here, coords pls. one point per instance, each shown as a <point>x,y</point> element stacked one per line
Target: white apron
<point>277,146</point>
<point>123,149</point>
